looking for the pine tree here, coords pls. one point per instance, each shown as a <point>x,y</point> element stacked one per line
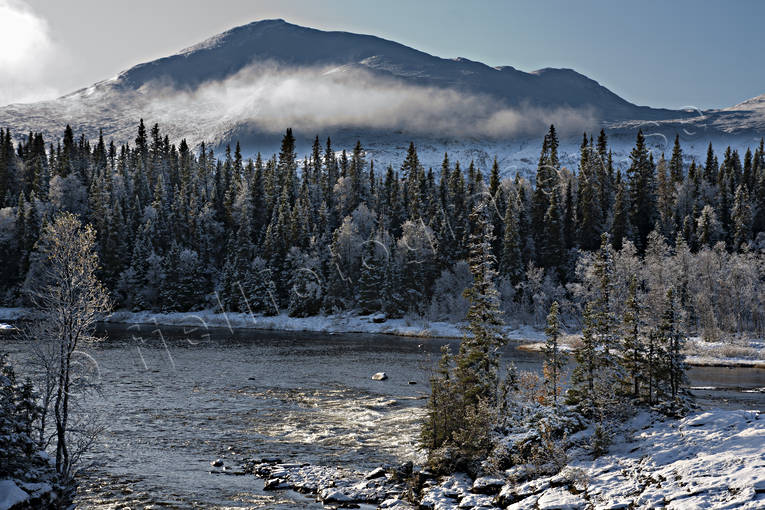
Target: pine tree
<point>554,360</point>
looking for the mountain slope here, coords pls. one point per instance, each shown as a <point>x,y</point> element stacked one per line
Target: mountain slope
<point>253,81</point>
<point>279,41</point>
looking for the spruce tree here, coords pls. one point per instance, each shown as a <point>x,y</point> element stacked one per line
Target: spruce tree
<point>669,332</point>
<point>620,228</point>
<point>642,189</point>
<point>676,162</point>
<point>581,392</point>
<point>478,359</point>
<point>554,359</point>
<point>370,280</point>
<point>512,259</point>
<point>741,217</point>
<point>633,348</point>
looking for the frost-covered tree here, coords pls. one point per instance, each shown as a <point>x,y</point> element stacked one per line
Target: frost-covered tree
<point>478,358</point>
<point>70,299</point>
<point>461,420</point>
<point>669,333</point>
<point>306,291</point>
<point>23,459</point>
<point>633,345</point>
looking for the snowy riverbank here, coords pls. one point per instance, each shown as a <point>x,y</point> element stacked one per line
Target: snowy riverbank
<point>332,324</point>
<point>738,353</point>
<point>710,459</point>
<point>698,352</point>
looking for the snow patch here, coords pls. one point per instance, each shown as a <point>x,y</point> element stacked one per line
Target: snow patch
<point>11,495</point>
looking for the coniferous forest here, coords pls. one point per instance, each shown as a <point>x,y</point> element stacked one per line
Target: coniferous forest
<point>182,228</point>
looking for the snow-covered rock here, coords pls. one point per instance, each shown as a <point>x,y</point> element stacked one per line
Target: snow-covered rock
<point>476,501</point>
<point>380,376</point>
<point>487,485</point>
<point>375,473</point>
<point>11,494</point>
<point>436,498</point>
<point>396,504</point>
<point>457,485</point>
<point>560,499</point>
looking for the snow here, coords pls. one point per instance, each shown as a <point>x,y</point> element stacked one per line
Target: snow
<point>734,353</point>
<point>340,323</point>
<point>115,104</point>
<point>710,459</point>
<point>331,485</point>
<point>14,314</point>
<point>560,499</point>
<point>698,352</point>
<point>11,495</point>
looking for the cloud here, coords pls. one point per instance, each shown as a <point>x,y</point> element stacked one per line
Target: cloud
<point>28,55</point>
<point>314,100</point>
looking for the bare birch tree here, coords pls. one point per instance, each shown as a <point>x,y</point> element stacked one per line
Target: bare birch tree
<point>70,299</point>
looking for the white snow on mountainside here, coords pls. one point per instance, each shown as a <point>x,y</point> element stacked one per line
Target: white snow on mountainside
<point>252,82</point>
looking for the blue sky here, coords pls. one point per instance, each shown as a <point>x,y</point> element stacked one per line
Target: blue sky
<point>662,54</point>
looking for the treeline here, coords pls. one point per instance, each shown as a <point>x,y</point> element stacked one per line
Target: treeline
<point>181,229</point>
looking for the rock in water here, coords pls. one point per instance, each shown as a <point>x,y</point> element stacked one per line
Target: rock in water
<point>216,463</point>
<point>380,376</point>
<point>375,473</point>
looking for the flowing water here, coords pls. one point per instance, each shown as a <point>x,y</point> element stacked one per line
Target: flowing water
<point>174,400</point>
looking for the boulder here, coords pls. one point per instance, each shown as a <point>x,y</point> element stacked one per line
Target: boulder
<point>456,485</point>
<point>375,473</point>
<point>476,501</point>
<point>487,485</point>
<point>217,463</point>
<point>380,376</point>
<point>396,504</point>
<point>560,499</point>
<point>273,484</point>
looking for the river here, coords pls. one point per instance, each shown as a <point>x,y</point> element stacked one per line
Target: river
<point>173,400</point>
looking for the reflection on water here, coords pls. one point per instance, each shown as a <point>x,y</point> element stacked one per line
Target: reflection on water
<point>175,400</point>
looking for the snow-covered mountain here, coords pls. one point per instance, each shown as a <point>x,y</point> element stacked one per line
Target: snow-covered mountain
<point>253,81</point>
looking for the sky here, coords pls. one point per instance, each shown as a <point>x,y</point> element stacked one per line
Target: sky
<point>662,54</point>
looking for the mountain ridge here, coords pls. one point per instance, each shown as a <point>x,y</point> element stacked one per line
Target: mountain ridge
<point>165,91</point>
